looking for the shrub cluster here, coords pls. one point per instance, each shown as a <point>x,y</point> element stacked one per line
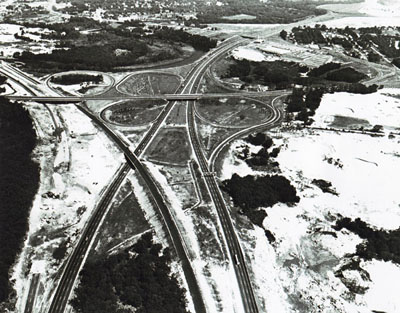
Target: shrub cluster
<point>379,244</point>
<point>250,192</point>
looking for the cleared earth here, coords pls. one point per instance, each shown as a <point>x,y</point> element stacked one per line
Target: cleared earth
<point>237,112</point>
<point>150,83</point>
<point>171,146</point>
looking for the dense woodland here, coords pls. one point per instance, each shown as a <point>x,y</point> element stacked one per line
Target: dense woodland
<point>351,39</point>
<point>260,139</point>
<point>323,69</point>
<point>283,75</point>
<point>250,192</point>
<point>271,12</point>
<point>176,35</point>
<point>139,277</point>
<point>305,102</point>
<point>379,244</point>
<point>397,62</point>
<point>104,47</point>
<point>276,74</point>
<point>96,57</point>
<point>308,35</point>
<point>72,79</point>
<point>3,79</point>
<point>19,183</point>
<point>348,75</point>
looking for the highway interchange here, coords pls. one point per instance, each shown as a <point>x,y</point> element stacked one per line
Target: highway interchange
<point>63,291</point>
<point>37,90</point>
<point>40,92</point>
<point>187,91</point>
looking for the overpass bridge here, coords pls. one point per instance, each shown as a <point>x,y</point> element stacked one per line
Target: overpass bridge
<point>166,97</point>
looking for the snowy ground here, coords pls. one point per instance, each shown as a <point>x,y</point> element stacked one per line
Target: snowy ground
<point>384,8</point>
<point>363,21</point>
<point>75,169</point>
<point>377,108</point>
<point>248,53</point>
<point>296,273</point>
<point>9,44</point>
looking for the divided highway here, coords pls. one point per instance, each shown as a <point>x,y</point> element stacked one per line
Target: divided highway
<point>30,301</point>
<point>246,289</point>
<point>249,300</point>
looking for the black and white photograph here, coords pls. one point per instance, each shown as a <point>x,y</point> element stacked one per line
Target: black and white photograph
<point>199,156</point>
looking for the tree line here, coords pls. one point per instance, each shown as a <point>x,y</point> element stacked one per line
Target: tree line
<point>108,47</point>
<point>178,35</point>
<point>19,181</point>
<point>275,74</point>
<point>72,79</point>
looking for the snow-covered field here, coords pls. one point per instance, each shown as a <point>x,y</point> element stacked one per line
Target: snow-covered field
<point>376,13</point>
<point>248,54</point>
<point>385,8</point>
<point>9,44</point>
<point>377,108</point>
<point>363,21</point>
<point>7,32</point>
<point>297,272</point>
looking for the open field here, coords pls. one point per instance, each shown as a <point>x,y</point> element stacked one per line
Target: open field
<point>181,181</point>
<point>178,114</point>
<point>208,235</point>
<point>170,146</point>
<point>150,84</point>
<point>348,122</point>
<point>211,136</point>
<point>124,220</point>
<point>362,110</point>
<point>134,113</point>
<point>232,111</point>
<point>210,84</point>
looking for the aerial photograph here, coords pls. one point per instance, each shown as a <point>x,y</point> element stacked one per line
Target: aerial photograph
<point>200,156</point>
